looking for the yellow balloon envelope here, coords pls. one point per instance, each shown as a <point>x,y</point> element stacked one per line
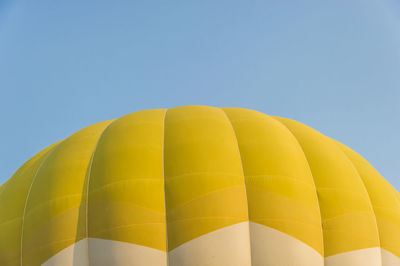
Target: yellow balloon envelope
<point>199,185</point>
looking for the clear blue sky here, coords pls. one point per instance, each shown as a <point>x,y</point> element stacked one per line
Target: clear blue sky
<point>333,65</point>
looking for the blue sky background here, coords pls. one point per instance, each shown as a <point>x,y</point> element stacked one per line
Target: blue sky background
<point>333,65</point>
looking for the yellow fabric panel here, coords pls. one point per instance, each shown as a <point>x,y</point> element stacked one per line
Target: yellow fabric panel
<point>204,180</point>
<point>12,204</point>
<point>55,211</point>
<point>348,219</point>
<point>126,187</point>
<point>384,198</point>
<point>280,188</point>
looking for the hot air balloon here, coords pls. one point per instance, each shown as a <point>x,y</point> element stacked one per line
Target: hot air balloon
<point>198,185</point>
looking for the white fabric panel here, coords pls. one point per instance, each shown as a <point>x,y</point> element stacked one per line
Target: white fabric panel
<point>108,252</point>
<point>389,259</point>
<point>271,247</point>
<point>362,257</point>
<point>76,255</point>
<point>228,246</point>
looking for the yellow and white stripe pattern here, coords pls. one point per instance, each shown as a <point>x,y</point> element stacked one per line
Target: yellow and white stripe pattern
<point>199,185</point>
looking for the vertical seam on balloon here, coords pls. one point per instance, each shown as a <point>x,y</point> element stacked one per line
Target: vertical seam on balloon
<point>244,179</point>
<point>87,188</point>
<point>366,190</point>
<point>165,197</point>
<point>27,197</point>
<point>312,177</point>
